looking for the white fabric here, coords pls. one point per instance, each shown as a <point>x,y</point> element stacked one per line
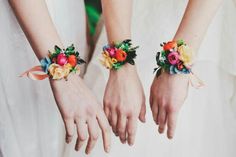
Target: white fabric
<point>207,122</point>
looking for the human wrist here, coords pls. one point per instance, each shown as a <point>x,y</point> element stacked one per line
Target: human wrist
<point>177,58</point>
<point>57,65</point>
<point>117,54</point>
<point>118,36</point>
<point>127,69</point>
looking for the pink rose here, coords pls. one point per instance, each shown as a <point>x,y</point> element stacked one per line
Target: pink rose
<point>112,52</point>
<point>61,59</point>
<point>173,57</point>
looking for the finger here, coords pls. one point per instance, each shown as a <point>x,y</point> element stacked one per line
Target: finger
<point>82,133</point>
<point>155,112</point>
<point>106,133</point>
<point>93,134</point>
<point>171,124</point>
<point>69,126</point>
<point>162,119</point>
<point>151,99</point>
<point>121,127</point>
<point>114,122</point>
<point>107,111</point>
<point>142,113</point>
<point>109,118</point>
<point>131,130</point>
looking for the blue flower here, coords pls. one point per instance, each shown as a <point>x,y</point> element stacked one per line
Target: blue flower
<point>174,70</point>
<point>105,47</point>
<point>45,63</point>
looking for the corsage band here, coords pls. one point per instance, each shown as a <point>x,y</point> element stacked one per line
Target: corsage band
<point>177,57</point>
<point>117,54</point>
<point>57,65</point>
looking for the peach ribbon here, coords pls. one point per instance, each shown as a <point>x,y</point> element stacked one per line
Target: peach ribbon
<point>33,73</point>
<point>195,81</point>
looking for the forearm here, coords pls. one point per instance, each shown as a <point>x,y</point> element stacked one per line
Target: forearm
<point>197,17</point>
<point>37,25</point>
<point>117,15</point>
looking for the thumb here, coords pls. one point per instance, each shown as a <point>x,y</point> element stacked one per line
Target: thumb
<point>143,113</point>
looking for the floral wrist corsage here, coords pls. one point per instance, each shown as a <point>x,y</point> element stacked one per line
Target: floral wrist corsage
<point>116,55</point>
<point>57,65</point>
<point>177,58</point>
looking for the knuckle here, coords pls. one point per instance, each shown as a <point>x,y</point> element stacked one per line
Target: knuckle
<point>91,112</point>
<point>162,104</point>
<point>171,108</point>
<point>171,125</point>
<point>68,117</point>
<point>131,131</point>
<point>106,130</point>
<point>121,109</point>
<point>161,119</point>
<point>82,137</point>
<point>94,137</point>
<point>121,130</point>
<point>106,102</point>
<point>69,134</point>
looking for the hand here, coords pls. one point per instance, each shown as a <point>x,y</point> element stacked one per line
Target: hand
<point>168,93</point>
<point>124,102</point>
<point>78,106</point>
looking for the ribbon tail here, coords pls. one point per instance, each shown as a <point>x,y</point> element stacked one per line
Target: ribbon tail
<point>37,76</point>
<point>34,76</point>
<point>195,81</point>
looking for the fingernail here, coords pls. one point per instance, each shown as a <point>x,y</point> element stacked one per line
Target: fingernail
<point>87,152</point>
<point>160,130</point>
<point>131,143</point>
<point>123,141</point>
<point>170,137</point>
<point>108,149</point>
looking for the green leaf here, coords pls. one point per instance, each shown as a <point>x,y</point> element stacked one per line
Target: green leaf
<point>158,72</point>
<point>80,61</point>
<point>134,48</point>
<point>57,49</point>
<point>70,48</point>
<point>127,41</point>
<point>74,69</point>
<point>131,62</point>
<point>180,42</point>
<point>77,54</point>
<point>117,65</point>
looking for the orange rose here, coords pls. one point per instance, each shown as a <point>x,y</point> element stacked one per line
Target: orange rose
<point>72,60</point>
<point>120,55</point>
<point>170,45</point>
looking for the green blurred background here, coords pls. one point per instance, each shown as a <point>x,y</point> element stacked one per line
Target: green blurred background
<point>93,9</point>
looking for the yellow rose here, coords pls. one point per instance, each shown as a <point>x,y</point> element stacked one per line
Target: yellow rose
<point>113,60</point>
<point>107,60</point>
<point>56,71</point>
<point>66,69</point>
<point>186,55</point>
